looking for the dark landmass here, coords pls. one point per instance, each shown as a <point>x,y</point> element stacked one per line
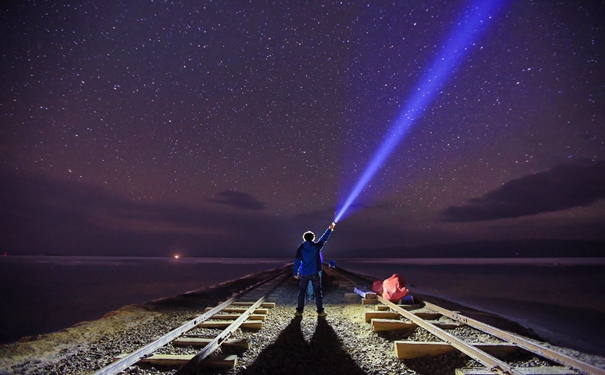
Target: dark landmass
<point>480,249</point>
<point>492,249</point>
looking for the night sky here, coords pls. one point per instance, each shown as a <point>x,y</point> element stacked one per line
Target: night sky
<point>228,128</point>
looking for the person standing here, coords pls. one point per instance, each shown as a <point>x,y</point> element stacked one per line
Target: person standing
<point>307,265</point>
<point>310,295</point>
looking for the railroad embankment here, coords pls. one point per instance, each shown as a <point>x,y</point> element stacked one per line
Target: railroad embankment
<point>342,342</point>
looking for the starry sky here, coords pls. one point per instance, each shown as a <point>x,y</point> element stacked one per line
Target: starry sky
<point>216,128</point>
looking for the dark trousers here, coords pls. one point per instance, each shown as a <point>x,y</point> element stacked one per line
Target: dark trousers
<point>302,288</point>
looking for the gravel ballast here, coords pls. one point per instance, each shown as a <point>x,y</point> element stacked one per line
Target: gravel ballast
<point>341,343</point>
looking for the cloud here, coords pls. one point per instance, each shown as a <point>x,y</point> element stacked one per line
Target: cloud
<point>239,200</point>
<point>44,216</point>
<point>563,187</point>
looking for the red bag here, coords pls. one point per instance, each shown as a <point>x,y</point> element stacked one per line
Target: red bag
<point>393,288</point>
<point>377,287</point>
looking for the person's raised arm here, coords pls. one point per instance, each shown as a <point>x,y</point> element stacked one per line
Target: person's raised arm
<point>327,233</point>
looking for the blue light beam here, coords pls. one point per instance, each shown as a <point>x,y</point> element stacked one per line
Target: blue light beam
<point>464,34</point>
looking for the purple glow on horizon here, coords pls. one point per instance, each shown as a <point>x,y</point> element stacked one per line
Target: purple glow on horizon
<point>465,32</point>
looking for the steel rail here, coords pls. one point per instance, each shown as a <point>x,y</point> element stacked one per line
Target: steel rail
<point>521,342</point>
<point>193,364</point>
<point>492,363</point>
<point>332,270</point>
<point>132,358</point>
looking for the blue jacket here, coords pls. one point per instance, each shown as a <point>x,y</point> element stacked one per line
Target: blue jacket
<point>308,256</point>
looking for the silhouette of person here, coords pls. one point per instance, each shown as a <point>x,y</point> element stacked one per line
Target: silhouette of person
<point>307,266</point>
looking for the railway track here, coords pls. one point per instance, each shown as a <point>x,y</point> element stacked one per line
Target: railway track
<point>438,321</point>
<point>247,309</point>
<point>277,342</point>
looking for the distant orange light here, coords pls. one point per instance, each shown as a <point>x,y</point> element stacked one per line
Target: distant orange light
<point>176,256</point>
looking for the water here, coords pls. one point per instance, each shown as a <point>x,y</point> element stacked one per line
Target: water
<point>42,294</point>
<point>562,299</point>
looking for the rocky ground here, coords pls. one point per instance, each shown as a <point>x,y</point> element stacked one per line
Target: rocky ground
<point>341,343</point>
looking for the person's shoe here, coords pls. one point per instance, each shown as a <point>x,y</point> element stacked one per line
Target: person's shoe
<point>322,313</point>
<point>298,313</point>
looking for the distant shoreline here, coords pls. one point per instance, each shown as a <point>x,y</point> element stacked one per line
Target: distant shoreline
<point>533,261</point>
<point>535,248</point>
<point>378,259</point>
<point>597,261</point>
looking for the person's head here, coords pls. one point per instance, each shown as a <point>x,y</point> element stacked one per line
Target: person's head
<point>308,236</point>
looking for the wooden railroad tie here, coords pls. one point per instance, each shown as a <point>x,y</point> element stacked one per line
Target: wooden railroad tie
<point>235,316</point>
<point>385,314</point>
<point>390,324</point>
<point>249,324</point>
<point>413,307</point>
<point>380,315</point>
<point>416,349</point>
<point>369,301</point>
<point>181,359</point>
<point>239,310</point>
<point>269,305</point>
<point>177,360</point>
<point>201,342</point>
<point>380,307</point>
<point>428,315</point>
<point>395,324</point>
<point>365,293</point>
<point>368,297</point>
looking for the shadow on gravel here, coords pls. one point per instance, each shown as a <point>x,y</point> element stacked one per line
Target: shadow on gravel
<point>292,355</point>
